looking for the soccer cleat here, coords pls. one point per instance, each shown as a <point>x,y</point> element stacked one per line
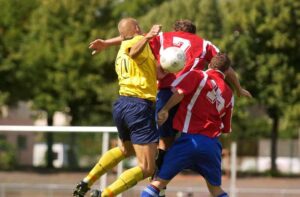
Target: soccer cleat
<point>95,193</point>
<point>162,192</point>
<point>81,189</point>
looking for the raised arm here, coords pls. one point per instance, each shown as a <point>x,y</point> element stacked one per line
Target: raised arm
<point>98,45</point>
<point>232,78</point>
<point>139,46</point>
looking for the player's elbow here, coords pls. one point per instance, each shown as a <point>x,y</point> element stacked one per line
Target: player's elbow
<point>133,54</point>
<point>228,130</point>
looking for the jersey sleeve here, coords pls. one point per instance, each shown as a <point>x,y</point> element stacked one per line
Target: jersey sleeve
<point>211,51</point>
<point>226,119</point>
<point>187,82</point>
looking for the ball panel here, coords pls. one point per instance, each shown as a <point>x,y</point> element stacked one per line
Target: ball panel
<point>172,59</point>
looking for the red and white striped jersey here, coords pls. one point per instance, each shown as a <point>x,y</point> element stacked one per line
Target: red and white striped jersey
<point>207,104</point>
<point>198,52</point>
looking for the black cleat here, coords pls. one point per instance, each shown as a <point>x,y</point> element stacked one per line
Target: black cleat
<point>81,189</point>
<point>95,193</point>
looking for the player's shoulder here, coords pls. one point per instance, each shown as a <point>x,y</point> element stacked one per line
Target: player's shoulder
<point>219,78</point>
<point>197,74</point>
<point>133,40</point>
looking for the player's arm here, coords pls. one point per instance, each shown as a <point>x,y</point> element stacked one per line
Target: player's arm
<point>231,77</point>
<point>163,114</point>
<point>137,48</point>
<point>183,85</point>
<point>98,45</point>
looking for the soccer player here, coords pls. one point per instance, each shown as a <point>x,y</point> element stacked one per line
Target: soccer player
<point>204,112</point>
<point>198,54</point>
<point>133,112</point>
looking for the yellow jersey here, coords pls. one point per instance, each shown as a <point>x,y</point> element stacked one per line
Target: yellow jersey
<point>137,76</point>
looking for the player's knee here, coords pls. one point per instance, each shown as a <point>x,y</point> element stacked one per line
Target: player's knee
<point>127,152</point>
<point>148,170</point>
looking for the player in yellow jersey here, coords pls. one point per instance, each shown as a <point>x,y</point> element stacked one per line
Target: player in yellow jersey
<point>133,113</point>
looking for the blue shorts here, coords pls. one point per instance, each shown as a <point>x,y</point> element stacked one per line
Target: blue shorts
<point>196,152</point>
<point>166,130</point>
<point>135,120</point>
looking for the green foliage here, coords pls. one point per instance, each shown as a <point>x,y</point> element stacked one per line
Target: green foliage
<point>264,44</point>
<point>13,21</point>
<point>63,73</point>
<point>7,156</point>
<point>133,8</point>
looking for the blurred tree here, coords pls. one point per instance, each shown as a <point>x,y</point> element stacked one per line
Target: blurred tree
<point>8,155</point>
<point>60,68</point>
<point>265,43</point>
<point>44,55</point>
<point>13,22</point>
<point>209,21</point>
<point>63,74</point>
<point>169,13</point>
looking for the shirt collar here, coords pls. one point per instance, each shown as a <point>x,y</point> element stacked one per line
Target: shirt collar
<point>220,73</point>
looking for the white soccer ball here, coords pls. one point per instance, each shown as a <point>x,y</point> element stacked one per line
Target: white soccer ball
<point>172,59</point>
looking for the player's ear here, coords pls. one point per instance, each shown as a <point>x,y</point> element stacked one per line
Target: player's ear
<point>138,29</point>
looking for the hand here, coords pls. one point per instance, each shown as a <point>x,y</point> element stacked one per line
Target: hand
<point>162,116</point>
<point>153,31</point>
<point>244,92</point>
<point>97,46</point>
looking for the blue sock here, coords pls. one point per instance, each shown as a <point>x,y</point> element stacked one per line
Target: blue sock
<point>223,195</point>
<point>150,191</point>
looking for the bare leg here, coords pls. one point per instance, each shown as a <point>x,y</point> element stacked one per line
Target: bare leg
<point>145,154</point>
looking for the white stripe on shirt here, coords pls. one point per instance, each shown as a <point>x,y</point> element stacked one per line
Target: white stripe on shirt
<point>179,79</point>
<point>161,39</point>
<point>195,63</point>
<point>205,43</point>
<point>192,103</point>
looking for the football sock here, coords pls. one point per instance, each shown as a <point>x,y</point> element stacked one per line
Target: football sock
<point>223,195</point>
<point>126,180</point>
<point>109,160</point>
<point>150,191</point>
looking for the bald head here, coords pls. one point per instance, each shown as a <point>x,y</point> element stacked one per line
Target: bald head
<point>128,27</point>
